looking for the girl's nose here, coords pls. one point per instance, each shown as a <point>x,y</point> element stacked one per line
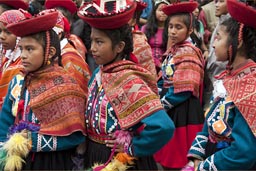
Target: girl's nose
<point>92,47</point>
<point>2,35</point>
<point>23,55</point>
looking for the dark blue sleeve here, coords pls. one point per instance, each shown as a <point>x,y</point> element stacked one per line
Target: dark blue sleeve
<point>160,83</point>
<point>171,99</point>
<point>6,117</point>
<point>240,155</point>
<point>177,98</point>
<point>158,130</point>
<point>52,143</point>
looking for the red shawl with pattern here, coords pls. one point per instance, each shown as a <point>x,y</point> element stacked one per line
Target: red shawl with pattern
<point>75,64</point>
<point>6,76</point>
<point>57,101</point>
<point>189,68</point>
<point>143,52</point>
<point>241,87</point>
<point>131,90</point>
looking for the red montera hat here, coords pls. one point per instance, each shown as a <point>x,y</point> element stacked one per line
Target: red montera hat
<point>180,7</point>
<point>35,24</point>
<point>107,14</point>
<point>242,12</point>
<point>68,4</point>
<point>62,24</point>
<point>16,4</point>
<point>141,5</point>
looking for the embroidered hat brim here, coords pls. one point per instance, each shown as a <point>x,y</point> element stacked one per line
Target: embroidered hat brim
<point>180,7</point>
<point>34,24</point>
<point>242,12</point>
<point>93,15</point>
<point>14,16</point>
<point>68,4</point>
<point>16,4</point>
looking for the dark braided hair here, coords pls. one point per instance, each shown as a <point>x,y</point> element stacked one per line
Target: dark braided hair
<point>249,39</point>
<point>123,33</point>
<point>152,27</point>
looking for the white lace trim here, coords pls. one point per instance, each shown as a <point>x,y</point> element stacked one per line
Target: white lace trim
<point>197,146</point>
<point>219,89</point>
<point>210,161</point>
<point>51,143</point>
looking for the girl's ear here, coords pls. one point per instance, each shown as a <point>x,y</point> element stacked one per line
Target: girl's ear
<point>120,46</point>
<point>52,52</point>
<point>190,30</point>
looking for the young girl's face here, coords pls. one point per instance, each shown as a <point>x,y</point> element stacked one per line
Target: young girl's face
<point>221,8</point>
<point>32,54</point>
<point>220,44</point>
<point>7,39</point>
<point>160,15</point>
<point>196,13</point>
<point>101,47</point>
<point>177,30</point>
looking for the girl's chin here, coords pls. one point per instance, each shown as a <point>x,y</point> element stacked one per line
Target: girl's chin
<point>221,60</point>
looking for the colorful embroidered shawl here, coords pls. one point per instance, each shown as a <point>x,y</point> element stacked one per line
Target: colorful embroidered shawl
<point>6,76</point>
<point>76,66</point>
<point>143,52</point>
<point>189,68</point>
<point>131,90</point>
<point>57,101</point>
<point>79,45</point>
<point>241,87</point>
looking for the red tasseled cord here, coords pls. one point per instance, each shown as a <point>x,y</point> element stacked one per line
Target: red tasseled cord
<point>20,110</point>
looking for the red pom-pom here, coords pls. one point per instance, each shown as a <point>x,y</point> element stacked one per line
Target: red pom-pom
<point>21,106</point>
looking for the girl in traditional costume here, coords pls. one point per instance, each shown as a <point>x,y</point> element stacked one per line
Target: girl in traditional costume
<point>227,141</point>
<point>68,8</point>
<point>141,48</point>
<point>71,59</point>
<point>42,120</point>
<point>182,77</point>
<point>9,51</point>
<point>125,119</point>
<point>154,31</point>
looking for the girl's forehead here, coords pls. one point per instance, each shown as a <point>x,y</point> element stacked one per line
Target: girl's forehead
<point>160,6</point>
<point>2,26</point>
<point>176,18</point>
<point>222,29</point>
<point>98,33</point>
<point>28,40</point>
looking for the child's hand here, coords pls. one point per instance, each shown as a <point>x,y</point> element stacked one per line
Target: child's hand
<point>24,133</point>
<point>111,143</point>
<point>196,162</point>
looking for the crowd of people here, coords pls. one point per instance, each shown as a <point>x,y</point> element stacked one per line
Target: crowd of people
<point>121,85</point>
